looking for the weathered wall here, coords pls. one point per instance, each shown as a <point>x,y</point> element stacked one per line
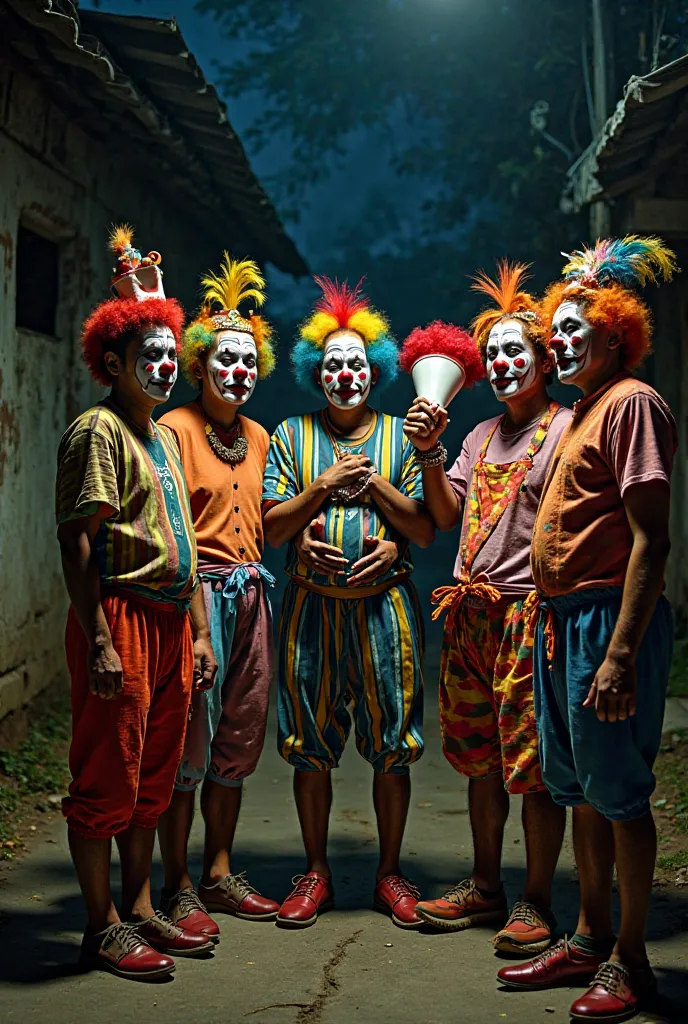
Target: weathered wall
<point>65,185</point>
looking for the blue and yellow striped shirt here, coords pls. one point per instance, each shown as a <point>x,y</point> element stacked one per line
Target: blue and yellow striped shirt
<point>301,449</point>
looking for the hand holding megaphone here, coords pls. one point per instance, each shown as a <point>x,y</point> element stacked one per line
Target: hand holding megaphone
<point>425,423</point>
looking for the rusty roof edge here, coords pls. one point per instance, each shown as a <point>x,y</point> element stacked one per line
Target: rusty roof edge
<point>582,185</point>
<point>61,19</point>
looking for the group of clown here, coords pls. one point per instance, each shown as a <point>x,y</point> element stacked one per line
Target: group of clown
<point>557,636</point>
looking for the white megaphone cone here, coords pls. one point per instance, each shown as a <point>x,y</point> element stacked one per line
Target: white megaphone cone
<point>438,378</point>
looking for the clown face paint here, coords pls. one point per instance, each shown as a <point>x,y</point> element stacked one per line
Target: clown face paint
<point>511,361</point>
<point>346,374</point>
<point>156,363</point>
<point>233,366</point>
<point>571,342</point>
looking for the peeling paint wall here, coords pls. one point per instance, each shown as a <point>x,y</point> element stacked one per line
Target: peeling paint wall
<point>63,184</point>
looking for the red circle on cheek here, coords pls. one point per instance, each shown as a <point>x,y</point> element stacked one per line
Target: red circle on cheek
<point>363,376</point>
<point>328,378</point>
<point>252,375</point>
<point>223,374</point>
<point>520,363</point>
<point>149,368</point>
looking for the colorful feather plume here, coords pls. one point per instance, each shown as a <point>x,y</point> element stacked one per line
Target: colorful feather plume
<point>630,262</point>
<point>509,298</point>
<point>340,300</point>
<point>120,239</point>
<point>238,281</point>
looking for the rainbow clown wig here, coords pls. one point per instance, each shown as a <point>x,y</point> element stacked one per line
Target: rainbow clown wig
<point>238,281</point>
<point>343,307</point>
<point>510,302</point>
<point>140,301</point>
<point>605,279</point>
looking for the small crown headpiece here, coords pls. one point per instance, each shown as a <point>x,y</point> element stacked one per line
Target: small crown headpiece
<point>237,281</point>
<point>135,276</point>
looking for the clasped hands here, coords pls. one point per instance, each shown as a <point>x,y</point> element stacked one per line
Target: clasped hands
<point>319,556</point>
<point>425,423</point>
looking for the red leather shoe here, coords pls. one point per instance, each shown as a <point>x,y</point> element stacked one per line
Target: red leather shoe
<point>397,897</point>
<point>120,950</point>
<point>165,936</point>
<point>235,895</point>
<point>313,894</point>
<point>185,909</point>
<point>561,964</point>
<point>610,998</point>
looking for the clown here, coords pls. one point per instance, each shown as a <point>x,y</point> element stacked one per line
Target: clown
<point>604,641</point>
<point>129,559</point>
<point>486,685</point>
<point>223,455</point>
<point>351,630</point>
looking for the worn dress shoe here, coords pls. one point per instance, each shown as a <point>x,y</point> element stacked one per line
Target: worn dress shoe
<point>614,995</point>
<point>233,894</point>
<point>561,964</point>
<point>185,909</point>
<point>121,950</point>
<point>313,894</point>
<point>397,897</point>
<point>167,937</point>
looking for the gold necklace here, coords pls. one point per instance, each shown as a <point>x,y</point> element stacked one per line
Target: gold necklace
<point>234,454</point>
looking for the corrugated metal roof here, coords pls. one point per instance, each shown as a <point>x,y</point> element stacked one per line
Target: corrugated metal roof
<point>646,132</point>
<point>138,74</point>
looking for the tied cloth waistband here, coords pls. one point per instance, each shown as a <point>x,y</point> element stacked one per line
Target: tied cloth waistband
<point>232,579</point>
<point>450,599</point>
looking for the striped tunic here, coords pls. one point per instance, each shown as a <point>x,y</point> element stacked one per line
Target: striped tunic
<point>147,542</point>
<point>301,449</point>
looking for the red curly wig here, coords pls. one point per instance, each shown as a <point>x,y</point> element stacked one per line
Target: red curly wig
<point>115,318</point>
<point>442,339</point>
<point>612,307</point>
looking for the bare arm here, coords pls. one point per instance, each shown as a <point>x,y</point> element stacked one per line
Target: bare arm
<point>424,425</point>
<point>407,516</point>
<point>614,689</point>
<point>83,586</point>
<point>284,520</point>
<point>205,663</point>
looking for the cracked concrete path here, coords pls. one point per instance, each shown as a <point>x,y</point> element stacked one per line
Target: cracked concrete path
<point>353,965</point>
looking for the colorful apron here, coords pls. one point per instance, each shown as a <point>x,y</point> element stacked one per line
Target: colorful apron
<point>494,487</point>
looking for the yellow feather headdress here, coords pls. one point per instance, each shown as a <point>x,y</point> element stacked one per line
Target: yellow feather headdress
<point>238,281</point>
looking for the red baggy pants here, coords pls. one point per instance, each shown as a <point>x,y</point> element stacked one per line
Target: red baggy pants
<point>125,752</point>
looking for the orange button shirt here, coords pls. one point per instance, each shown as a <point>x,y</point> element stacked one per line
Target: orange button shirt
<point>225,499</point>
<point>623,434</point>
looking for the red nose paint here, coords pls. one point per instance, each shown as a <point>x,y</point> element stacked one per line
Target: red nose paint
<point>519,363</point>
<point>345,377</point>
<point>240,373</point>
<point>500,364</point>
<point>556,342</point>
<point>168,368</point>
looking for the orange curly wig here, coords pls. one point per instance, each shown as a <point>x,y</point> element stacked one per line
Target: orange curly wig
<point>115,318</point>
<point>612,307</point>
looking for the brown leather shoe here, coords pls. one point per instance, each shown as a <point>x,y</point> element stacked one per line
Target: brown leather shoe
<point>235,895</point>
<point>462,906</point>
<point>162,934</point>
<point>120,950</point>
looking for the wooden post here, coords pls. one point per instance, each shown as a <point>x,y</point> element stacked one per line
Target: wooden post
<point>600,214</point>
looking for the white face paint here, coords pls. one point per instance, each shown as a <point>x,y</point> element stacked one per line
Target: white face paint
<point>511,362</point>
<point>571,342</point>
<point>156,362</point>
<point>346,374</point>
<point>233,366</point>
